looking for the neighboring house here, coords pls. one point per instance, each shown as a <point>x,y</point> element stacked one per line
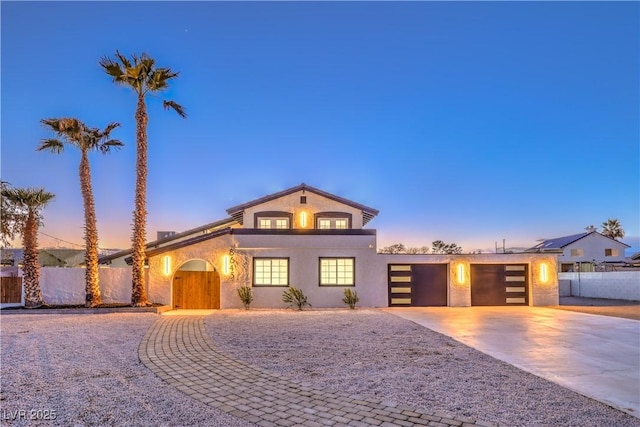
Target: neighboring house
<point>583,251</point>
<point>316,241</point>
<point>50,257</point>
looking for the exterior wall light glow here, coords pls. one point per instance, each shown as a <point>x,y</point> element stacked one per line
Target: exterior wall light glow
<point>225,264</point>
<point>544,272</point>
<point>166,265</point>
<point>460,273</point>
<point>303,219</point>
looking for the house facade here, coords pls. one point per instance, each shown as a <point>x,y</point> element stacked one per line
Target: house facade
<point>318,242</point>
<point>584,251</point>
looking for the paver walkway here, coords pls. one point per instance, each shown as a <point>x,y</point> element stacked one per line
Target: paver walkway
<point>179,351</point>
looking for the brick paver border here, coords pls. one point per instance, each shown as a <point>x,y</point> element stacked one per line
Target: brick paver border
<point>179,351</point>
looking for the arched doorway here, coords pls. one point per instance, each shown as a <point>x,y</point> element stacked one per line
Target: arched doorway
<point>196,285</point>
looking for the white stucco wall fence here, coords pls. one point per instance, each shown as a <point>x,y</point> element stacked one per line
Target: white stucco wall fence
<point>66,285</point>
<point>623,285</point>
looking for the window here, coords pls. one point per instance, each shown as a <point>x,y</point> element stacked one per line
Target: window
<point>273,223</point>
<point>332,223</point>
<point>611,252</point>
<point>271,272</point>
<point>337,271</point>
<point>577,252</point>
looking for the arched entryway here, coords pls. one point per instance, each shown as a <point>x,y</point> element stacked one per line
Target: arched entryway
<point>196,285</point>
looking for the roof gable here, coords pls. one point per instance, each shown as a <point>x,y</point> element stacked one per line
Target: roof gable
<point>367,212</point>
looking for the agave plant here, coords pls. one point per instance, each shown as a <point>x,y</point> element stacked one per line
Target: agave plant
<point>295,297</point>
<point>350,298</point>
<point>246,296</point>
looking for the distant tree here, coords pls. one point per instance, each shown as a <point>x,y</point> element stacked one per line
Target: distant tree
<point>73,132</point>
<point>440,247</point>
<point>12,216</point>
<point>141,75</point>
<point>612,228</point>
<point>32,201</point>
<point>398,248</point>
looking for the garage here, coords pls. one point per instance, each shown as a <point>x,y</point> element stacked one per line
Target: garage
<point>499,284</point>
<point>417,285</point>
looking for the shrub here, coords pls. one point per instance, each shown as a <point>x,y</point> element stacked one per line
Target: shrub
<point>246,296</point>
<point>350,298</point>
<point>294,296</point>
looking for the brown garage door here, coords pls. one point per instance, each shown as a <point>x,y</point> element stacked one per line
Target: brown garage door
<point>417,285</point>
<point>499,284</point>
<point>196,290</point>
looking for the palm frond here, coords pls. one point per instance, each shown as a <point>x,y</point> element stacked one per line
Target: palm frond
<point>54,145</point>
<point>123,59</point>
<point>175,106</point>
<point>110,127</point>
<point>107,146</point>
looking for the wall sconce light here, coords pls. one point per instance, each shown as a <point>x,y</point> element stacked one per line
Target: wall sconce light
<point>303,219</point>
<point>225,264</point>
<point>166,265</point>
<point>544,273</point>
<point>460,273</point>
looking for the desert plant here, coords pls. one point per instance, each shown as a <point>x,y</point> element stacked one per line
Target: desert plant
<point>294,296</point>
<point>246,296</point>
<point>350,298</point>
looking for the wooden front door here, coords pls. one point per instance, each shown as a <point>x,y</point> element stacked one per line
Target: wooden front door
<point>196,290</point>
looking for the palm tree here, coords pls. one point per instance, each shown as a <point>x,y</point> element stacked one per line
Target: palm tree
<point>11,217</point>
<point>142,76</point>
<point>33,200</point>
<point>613,229</point>
<point>75,133</point>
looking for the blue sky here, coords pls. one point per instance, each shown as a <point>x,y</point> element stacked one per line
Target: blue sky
<point>469,122</point>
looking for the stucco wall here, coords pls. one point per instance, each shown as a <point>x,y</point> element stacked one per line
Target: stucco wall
<point>612,285</point>
<point>291,203</point>
<point>67,285</point>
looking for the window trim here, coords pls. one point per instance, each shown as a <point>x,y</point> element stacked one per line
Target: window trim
<point>341,285</point>
<point>333,216</point>
<point>272,215</point>
<point>253,272</point>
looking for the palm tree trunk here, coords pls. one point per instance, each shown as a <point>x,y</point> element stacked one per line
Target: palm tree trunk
<point>139,291</point>
<point>32,293</point>
<point>92,285</point>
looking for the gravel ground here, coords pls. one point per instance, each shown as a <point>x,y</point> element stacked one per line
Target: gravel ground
<point>604,307</point>
<point>84,370</point>
<point>369,353</point>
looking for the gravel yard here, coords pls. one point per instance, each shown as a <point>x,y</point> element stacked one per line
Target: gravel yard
<point>375,354</point>
<point>85,369</point>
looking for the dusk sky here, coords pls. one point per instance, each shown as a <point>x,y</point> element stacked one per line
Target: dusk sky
<point>468,122</point>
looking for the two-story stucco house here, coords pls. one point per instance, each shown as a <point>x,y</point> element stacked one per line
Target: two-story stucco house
<point>583,251</point>
<point>318,242</point>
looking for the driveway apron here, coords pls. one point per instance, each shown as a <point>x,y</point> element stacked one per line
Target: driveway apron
<point>596,356</point>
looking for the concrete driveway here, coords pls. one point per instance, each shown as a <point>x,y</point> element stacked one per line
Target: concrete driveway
<point>596,356</point>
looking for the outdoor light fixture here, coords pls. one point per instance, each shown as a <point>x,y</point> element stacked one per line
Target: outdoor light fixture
<point>460,273</point>
<point>303,219</point>
<point>166,264</point>
<point>544,274</point>
<point>225,264</point>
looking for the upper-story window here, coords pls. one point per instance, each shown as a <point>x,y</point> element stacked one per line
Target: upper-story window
<point>611,252</point>
<point>333,221</point>
<point>272,220</point>
<point>577,252</point>
<point>273,223</point>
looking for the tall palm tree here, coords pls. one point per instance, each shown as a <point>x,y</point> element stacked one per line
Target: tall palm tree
<point>72,131</point>
<point>33,200</point>
<point>142,76</point>
<point>612,228</point>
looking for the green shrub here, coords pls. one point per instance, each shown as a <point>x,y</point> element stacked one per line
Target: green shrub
<point>295,297</point>
<point>246,296</point>
<point>350,298</point>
